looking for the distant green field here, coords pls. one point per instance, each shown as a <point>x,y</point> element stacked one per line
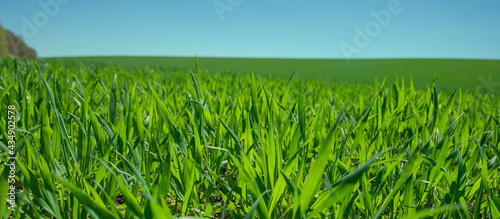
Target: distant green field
<point>451,73</point>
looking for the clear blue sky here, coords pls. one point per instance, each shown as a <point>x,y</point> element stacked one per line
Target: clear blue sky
<point>258,28</point>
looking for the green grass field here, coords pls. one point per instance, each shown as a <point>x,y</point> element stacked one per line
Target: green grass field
<point>451,74</point>
<point>111,141</point>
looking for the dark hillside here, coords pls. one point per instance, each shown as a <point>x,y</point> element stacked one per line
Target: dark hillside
<point>12,45</point>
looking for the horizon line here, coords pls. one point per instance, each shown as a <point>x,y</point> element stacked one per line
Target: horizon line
<point>283,58</point>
